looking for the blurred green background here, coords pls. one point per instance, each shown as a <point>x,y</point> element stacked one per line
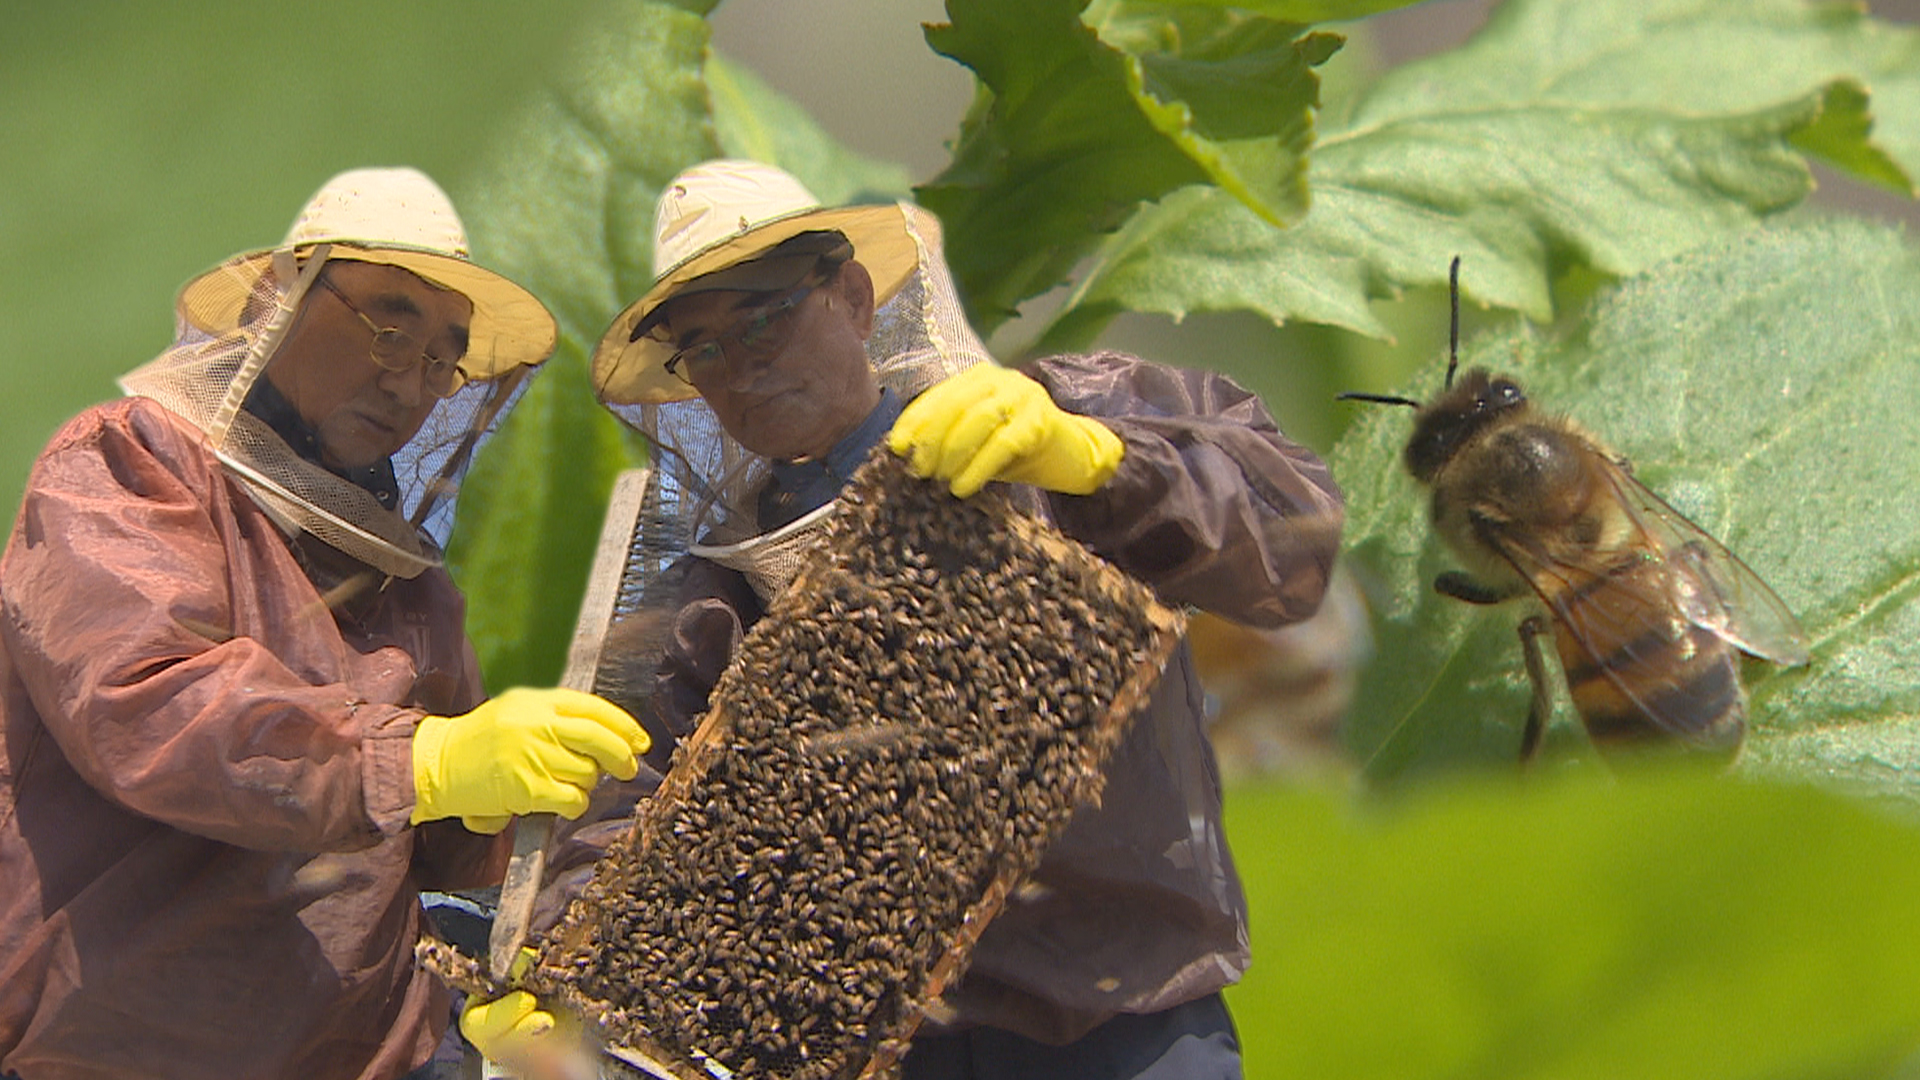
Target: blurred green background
<point>1569,926</point>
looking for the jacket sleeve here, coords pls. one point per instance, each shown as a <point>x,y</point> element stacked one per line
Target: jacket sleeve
<point>117,609</point>
<point>1211,504</point>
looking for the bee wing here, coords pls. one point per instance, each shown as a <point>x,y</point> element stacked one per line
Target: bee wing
<point>1606,604</point>
<point>1603,608</point>
<point>1711,586</point>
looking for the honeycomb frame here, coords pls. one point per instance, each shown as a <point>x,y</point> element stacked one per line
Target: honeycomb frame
<point>1074,726</point>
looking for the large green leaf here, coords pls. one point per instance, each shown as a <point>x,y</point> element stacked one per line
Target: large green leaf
<point>754,121</point>
<point>1083,115</point>
<point>1764,387</point>
<point>1709,57</point>
<point>1665,925</point>
<point>564,205</point>
<point>1611,133</point>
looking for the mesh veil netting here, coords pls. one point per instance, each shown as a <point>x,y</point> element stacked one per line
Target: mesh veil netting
<point>702,495</point>
<point>204,377</point>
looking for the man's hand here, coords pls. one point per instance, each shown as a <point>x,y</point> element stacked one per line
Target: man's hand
<point>524,752</point>
<point>993,423</point>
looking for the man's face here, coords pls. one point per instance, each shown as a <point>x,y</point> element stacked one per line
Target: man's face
<point>809,387</point>
<point>362,411</point>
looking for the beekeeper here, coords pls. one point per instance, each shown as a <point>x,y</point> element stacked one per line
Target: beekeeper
<point>242,723</point>
<point>780,343</point>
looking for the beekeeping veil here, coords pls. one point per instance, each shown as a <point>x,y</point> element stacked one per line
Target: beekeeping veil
<point>230,321</point>
<point>716,224</point>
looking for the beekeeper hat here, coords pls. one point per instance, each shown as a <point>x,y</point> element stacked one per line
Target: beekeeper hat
<point>399,217</point>
<point>720,214</point>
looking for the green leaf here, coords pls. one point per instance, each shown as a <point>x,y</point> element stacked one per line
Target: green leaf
<point>1078,122</point>
<point>529,517</point>
<point>1516,192</point>
<point>755,121</point>
<point>563,204</point>
<point>1664,925</point>
<point>1610,133</point>
<point>1710,57</point>
<point>563,199</point>
<point>1762,386</point>
<point>1840,136</point>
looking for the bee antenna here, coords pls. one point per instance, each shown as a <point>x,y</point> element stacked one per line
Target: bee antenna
<point>1378,399</point>
<point>1453,324</point>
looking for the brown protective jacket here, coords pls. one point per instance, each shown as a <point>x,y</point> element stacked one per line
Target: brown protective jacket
<point>1137,907</point>
<point>205,862</point>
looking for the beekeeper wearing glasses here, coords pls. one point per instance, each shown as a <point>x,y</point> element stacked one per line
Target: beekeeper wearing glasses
<point>242,722</point>
<point>781,342</point>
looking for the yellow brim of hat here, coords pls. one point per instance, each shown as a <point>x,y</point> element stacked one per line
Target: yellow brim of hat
<point>886,240</point>
<point>510,327</point>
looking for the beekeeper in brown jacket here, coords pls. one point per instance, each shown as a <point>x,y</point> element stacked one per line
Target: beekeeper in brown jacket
<point>242,723</point>
<point>780,343</point>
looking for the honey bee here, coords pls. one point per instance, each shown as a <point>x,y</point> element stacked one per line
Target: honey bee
<point>1646,610</point>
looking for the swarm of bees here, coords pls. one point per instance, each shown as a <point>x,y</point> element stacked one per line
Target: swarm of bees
<point>889,755</point>
<point>1647,612</point>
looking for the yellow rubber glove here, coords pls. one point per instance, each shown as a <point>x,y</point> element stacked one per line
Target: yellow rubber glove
<point>993,423</point>
<point>513,1030</point>
<point>524,752</point>
<point>499,1027</point>
<point>507,1028</point>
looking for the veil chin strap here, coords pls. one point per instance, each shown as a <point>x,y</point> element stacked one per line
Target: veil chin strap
<point>771,560</point>
<point>299,278</point>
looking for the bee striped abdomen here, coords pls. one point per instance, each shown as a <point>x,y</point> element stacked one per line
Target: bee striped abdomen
<point>1640,672</point>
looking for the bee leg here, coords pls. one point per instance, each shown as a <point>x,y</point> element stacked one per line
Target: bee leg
<point>1458,585</point>
<point>1531,629</point>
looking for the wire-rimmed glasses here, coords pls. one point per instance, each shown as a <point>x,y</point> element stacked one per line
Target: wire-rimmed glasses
<point>761,332</point>
<point>396,350</point>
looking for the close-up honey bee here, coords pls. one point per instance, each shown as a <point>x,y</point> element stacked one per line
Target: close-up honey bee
<point>1647,611</point>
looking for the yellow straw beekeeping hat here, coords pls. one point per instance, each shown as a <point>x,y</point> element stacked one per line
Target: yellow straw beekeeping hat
<point>722,213</point>
<point>399,217</point>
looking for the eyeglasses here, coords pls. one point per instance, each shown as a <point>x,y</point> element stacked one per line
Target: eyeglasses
<point>396,350</point>
<point>762,332</point>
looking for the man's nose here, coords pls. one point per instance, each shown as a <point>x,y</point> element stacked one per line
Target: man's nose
<point>743,366</point>
<point>408,386</point>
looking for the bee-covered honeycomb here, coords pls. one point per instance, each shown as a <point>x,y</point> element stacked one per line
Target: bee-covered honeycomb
<point>888,756</point>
